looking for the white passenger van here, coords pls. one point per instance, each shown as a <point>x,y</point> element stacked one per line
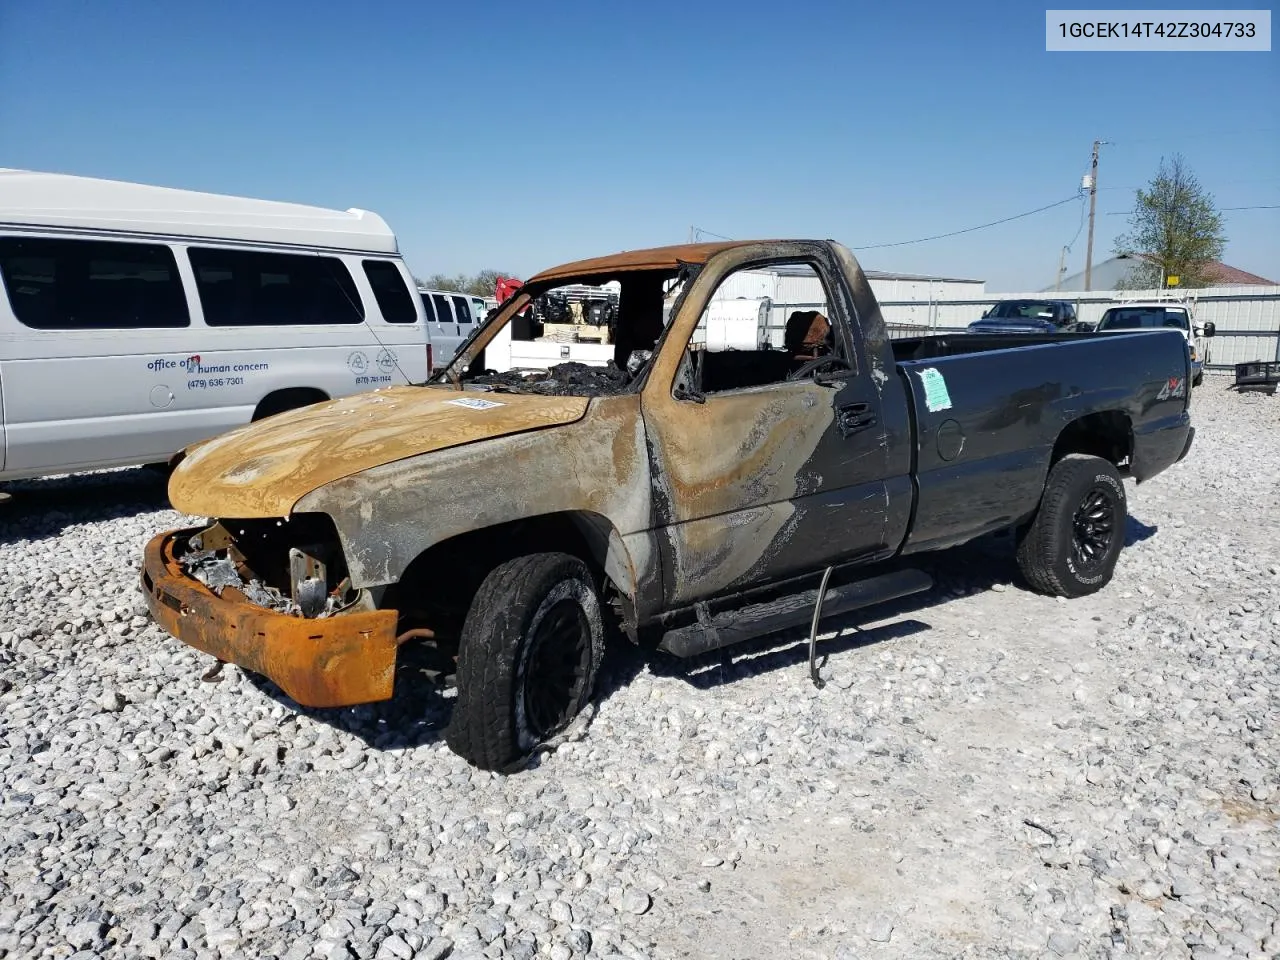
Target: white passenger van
<point>135,320</point>
<point>451,318</point>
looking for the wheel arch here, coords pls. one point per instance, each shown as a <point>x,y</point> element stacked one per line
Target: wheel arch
<point>464,560</point>
<point>287,398</point>
<point>1107,434</point>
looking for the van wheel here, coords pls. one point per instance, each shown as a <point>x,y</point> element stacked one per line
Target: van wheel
<point>530,648</point>
<point>1071,546</point>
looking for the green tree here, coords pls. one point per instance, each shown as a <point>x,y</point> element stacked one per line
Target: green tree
<point>1175,229</point>
<point>482,284</point>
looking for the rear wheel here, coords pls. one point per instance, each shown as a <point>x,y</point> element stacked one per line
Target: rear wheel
<point>1071,546</point>
<point>530,648</point>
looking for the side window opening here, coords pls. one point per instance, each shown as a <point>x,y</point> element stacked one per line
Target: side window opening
<point>461,309</point>
<point>254,288</point>
<point>429,306</point>
<point>395,302</point>
<point>443,313</point>
<point>59,284</point>
<point>761,326</point>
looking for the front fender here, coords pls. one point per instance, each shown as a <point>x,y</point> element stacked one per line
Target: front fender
<point>389,514</point>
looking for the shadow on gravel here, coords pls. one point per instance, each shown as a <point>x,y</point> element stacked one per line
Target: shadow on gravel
<point>1135,531</point>
<point>974,567</point>
<point>415,716</point>
<point>420,709</point>
<point>36,509</point>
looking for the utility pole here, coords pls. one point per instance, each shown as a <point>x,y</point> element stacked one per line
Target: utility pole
<point>1093,202</point>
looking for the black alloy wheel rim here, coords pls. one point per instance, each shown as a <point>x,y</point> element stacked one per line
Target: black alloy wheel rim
<point>559,652</point>
<point>1093,527</point>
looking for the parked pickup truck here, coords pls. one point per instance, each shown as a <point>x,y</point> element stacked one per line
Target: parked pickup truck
<point>512,519</point>
<point>1161,315</point>
<point>1027,316</point>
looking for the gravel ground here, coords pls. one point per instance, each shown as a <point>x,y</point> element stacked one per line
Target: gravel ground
<point>988,773</point>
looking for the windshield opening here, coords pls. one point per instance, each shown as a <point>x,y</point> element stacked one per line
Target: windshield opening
<point>1022,310</point>
<point>581,336</point>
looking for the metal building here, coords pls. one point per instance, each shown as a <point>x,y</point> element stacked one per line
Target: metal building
<point>798,288</point>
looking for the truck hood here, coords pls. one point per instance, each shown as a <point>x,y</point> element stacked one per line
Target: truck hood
<point>263,469</point>
<point>1022,325</point>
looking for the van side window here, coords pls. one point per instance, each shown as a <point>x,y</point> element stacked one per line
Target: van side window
<point>429,307</point>
<point>443,315</point>
<point>394,299</point>
<point>92,284</point>
<point>240,288</point>
<point>462,309</point>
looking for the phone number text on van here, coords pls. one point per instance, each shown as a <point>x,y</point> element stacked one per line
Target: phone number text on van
<point>214,382</point>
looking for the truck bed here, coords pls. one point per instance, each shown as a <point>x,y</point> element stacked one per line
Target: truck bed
<point>955,344</point>
<point>988,410</point>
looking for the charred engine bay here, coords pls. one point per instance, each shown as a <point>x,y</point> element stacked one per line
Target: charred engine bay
<point>572,379</point>
<point>254,558</point>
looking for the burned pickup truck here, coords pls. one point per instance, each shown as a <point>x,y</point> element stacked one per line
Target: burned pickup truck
<point>689,491</point>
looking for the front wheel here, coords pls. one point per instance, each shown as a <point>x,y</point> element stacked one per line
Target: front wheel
<point>530,648</point>
<point>1071,547</point>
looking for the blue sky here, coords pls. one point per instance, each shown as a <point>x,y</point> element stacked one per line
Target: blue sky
<point>519,135</point>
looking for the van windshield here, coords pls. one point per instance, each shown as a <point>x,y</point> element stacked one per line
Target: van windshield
<point>1144,318</point>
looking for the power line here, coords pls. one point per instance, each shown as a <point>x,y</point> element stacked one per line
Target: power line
<point>1260,206</point>
<point>1080,227</point>
<point>1216,184</point>
<point>956,233</point>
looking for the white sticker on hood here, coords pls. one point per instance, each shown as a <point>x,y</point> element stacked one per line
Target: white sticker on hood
<point>475,403</point>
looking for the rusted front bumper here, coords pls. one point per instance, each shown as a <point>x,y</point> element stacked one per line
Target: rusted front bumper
<point>331,662</point>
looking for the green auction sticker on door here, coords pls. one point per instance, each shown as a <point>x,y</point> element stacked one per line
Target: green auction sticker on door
<point>936,396</point>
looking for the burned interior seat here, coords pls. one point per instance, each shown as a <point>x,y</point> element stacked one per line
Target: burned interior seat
<point>807,336</point>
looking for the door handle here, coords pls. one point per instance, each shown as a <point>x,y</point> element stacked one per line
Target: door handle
<point>855,417</point>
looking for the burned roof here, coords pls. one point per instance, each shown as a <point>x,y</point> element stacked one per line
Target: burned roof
<point>654,258</point>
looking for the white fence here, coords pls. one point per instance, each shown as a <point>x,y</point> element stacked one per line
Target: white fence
<point>1247,319</point>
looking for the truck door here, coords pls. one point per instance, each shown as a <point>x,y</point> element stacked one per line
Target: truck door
<point>760,468</point>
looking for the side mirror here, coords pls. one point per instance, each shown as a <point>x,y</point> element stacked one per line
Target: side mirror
<point>1210,329</point>
<point>1084,326</point>
<point>985,314</point>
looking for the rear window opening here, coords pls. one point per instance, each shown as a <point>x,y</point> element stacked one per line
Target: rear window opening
<point>1144,318</point>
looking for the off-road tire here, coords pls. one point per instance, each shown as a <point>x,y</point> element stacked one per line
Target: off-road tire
<point>493,725</point>
<point>1079,488</point>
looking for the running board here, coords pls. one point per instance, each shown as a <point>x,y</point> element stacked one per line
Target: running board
<point>756,620</point>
